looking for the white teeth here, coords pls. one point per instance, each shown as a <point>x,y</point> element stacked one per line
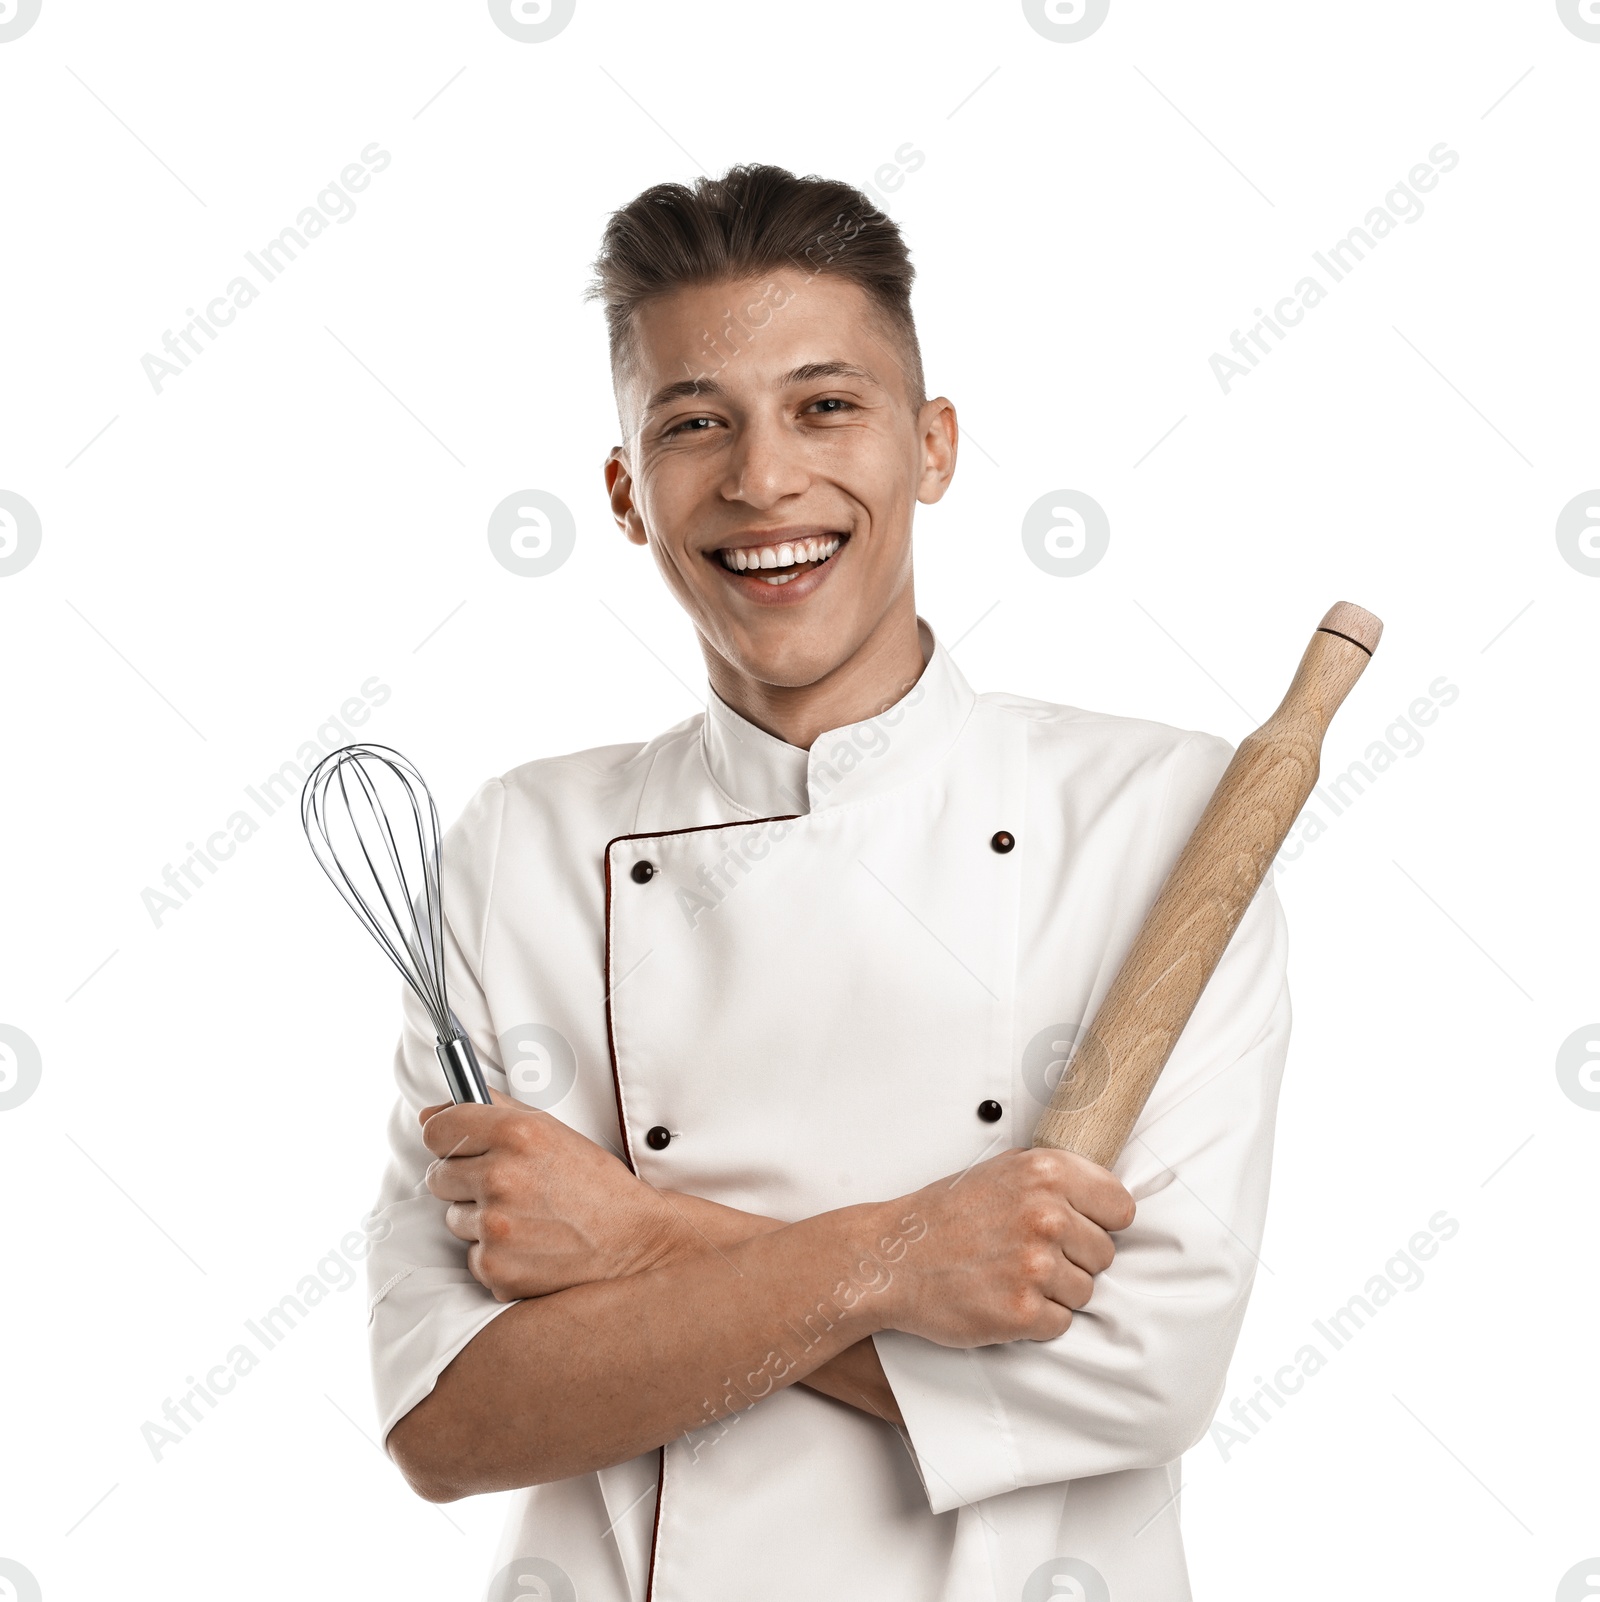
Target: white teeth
<point>790,554</point>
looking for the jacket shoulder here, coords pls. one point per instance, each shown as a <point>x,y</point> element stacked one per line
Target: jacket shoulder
<point>1109,740</point>
<point>584,791</point>
<point>549,811</point>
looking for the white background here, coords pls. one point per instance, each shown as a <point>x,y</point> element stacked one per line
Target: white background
<point>224,563</point>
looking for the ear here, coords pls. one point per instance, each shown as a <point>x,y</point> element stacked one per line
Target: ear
<point>938,437</point>
<point>619,491</point>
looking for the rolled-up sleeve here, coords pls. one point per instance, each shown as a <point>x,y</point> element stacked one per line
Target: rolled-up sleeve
<point>1136,1379</point>
<point>424,1303</point>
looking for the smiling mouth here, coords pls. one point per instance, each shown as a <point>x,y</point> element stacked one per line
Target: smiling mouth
<point>782,562</point>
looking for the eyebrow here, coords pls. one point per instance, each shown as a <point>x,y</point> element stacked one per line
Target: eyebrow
<point>809,373</point>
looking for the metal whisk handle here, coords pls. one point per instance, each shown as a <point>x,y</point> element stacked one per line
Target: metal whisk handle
<point>461,1071</point>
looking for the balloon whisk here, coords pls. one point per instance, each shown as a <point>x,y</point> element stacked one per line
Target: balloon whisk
<point>373,827</point>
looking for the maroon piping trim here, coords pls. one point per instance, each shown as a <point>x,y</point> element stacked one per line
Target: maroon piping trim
<point>616,1086</point>
<point>655,1526</point>
<point>611,1039</point>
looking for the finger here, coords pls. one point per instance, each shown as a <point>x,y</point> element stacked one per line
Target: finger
<point>496,1098</point>
<point>439,1106</point>
<point>1085,1186</point>
<point>1085,1243</point>
<point>1052,1321</point>
<point>1069,1286</point>
<point>456,1179</point>
<point>480,1272</point>
<point>461,1219</point>
<point>464,1131</point>
<point>1100,1195</point>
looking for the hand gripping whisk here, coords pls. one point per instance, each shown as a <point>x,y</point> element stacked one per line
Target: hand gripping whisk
<point>373,827</point>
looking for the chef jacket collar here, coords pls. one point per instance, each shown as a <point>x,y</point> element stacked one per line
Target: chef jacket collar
<point>764,776</point>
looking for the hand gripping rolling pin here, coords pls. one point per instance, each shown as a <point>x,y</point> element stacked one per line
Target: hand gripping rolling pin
<point>1105,1084</point>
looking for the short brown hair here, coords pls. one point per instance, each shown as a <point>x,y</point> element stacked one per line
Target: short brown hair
<point>753,218</point>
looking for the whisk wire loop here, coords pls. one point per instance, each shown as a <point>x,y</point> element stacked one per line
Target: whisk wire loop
<point>389,873</point>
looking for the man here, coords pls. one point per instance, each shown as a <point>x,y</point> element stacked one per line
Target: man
<point>747,1283</point>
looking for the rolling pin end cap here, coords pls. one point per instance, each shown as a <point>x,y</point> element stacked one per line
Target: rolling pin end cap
<point>1354,622</point>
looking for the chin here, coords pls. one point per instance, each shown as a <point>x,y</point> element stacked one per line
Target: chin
<point>792,652</point>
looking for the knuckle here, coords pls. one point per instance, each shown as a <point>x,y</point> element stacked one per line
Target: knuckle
<point>1043,1263</point>
<point>494,1227</point>
<point>539,1129</point>
<point>1075,1169</point>
<point>488,1270</point>
<point>1034,1264</point>
<point>1019,1309</point>
<point>1041,1165</point>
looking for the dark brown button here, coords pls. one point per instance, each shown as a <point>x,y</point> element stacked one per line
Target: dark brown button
<point>990,1111</point>
<point>660,1137</point>
<point>643,873</point>
<point>1003,842</point>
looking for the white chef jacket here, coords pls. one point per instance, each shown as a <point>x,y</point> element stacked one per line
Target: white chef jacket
<point>830,968</point>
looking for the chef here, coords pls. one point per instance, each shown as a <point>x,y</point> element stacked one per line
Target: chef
<point>748,1284</point>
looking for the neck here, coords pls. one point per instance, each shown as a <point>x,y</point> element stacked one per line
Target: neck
<point>881,670</point>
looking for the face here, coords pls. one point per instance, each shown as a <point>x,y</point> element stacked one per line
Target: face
<point>773,463</point>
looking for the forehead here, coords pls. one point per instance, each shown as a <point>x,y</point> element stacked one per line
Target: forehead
<point>748,333</point>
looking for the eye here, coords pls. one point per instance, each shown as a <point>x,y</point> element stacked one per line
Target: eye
<point>687,425</point>
<point>835,400</point>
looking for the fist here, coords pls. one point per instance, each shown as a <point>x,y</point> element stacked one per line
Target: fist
<point>541,1207</point>
<point>1011,1248</point>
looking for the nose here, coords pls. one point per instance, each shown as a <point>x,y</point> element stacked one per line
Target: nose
<point>767,464</point>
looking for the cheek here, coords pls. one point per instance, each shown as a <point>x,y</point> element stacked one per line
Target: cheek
<point>667,502</point>
<point>870,472</point>
<point>677,569</point>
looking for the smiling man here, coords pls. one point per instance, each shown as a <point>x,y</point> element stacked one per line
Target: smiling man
<point>747,1284</point>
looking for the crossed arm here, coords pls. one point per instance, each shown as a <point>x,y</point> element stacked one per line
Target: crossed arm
<point>641,1314</point>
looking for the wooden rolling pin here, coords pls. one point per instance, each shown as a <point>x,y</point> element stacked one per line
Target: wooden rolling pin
<point>1108,1079</point>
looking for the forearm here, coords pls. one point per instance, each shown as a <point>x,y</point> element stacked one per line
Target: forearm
<point>563,1384</point>
<point>601,1356</point>
<point>856,1375</point>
